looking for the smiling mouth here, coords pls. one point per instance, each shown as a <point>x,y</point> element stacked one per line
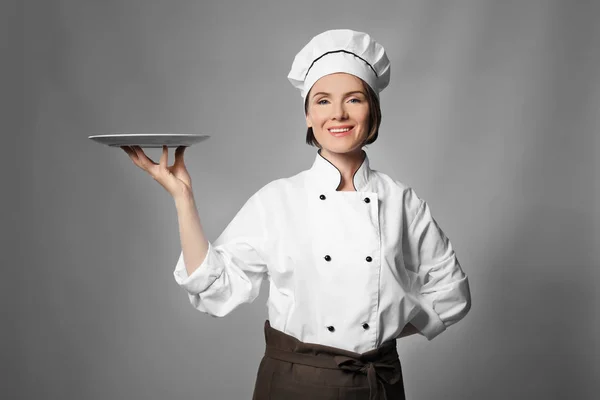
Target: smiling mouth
<point>340,130</point>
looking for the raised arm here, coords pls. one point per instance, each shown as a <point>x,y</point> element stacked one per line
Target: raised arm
<point>221,275</point>
<point>194,244</point>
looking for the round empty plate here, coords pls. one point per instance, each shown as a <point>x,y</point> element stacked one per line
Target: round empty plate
<point>149,139</point>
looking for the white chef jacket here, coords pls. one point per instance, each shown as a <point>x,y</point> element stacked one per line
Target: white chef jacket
<point>347,269</point>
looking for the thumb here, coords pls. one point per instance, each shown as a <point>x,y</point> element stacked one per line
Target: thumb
<point>179,153</point>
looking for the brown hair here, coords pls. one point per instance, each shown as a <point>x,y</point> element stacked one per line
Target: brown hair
<point>374,118</point>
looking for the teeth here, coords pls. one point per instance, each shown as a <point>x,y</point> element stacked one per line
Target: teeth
<point>339,130</point>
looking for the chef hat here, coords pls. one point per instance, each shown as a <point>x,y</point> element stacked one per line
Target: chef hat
<point>341,50</point>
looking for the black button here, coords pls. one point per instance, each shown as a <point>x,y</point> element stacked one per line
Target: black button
<point>366,326</point>
<point>367,200</point>
<point>331,328</point>
<point>369,259</point>
<point>322,197</point>
<point>327,258</point>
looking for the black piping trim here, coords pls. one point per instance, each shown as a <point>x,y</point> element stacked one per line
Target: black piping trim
<point>340,173</point>
<point>339,51</point>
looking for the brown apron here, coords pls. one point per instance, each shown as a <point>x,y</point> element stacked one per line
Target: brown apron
<point>295,370</point>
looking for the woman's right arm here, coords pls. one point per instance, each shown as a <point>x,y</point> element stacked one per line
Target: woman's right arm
<point>177,181</point>
<point>221,275</point>
<point>194,244</point>
<point>229,270</point>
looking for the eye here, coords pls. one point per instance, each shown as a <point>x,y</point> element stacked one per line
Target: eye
<point>357,100</point>
<point>320,101</point>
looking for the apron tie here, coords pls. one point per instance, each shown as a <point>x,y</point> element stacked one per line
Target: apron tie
<point>373,370</point>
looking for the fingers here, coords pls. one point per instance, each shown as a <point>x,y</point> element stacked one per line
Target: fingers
<point>164,156</point>
<point>144,160</point>
<point>138,157</point>
<point>130,153</point>
<point>159,172</point>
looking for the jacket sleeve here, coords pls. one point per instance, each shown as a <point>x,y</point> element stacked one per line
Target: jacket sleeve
<point>439,283</point>
<point>234,267</point>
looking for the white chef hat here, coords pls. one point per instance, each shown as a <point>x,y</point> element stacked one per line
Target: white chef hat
<point>341,50</point>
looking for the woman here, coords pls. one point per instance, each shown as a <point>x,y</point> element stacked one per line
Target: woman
<point>354,258</point>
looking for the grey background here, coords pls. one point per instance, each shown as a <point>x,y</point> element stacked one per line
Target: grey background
<point>492,115</point>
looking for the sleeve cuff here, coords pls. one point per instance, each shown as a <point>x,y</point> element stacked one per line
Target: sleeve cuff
<point>428,322</point>
<point>205,275</point>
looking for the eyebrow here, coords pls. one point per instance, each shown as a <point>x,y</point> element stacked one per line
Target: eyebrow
<point>345,94</point>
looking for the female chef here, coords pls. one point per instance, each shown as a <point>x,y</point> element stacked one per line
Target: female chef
<point>354,258</point>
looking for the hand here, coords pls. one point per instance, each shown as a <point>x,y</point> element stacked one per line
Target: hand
<point>408,330</point>
<point>175,179</point>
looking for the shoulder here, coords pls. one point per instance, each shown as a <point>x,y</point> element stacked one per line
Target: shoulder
<point>398,191</point>
<point>394,186</point>
<point>281,187</point>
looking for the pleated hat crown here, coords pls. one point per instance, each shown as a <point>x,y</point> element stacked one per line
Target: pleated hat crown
<point>341,50</point>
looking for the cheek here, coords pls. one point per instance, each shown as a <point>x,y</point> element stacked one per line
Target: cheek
<point>363,116</point>
<point>318,119</point>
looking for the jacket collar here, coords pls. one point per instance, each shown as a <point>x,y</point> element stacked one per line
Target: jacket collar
<point>327,177</point>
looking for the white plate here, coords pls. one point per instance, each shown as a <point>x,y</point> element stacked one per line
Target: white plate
<point>149,139</point>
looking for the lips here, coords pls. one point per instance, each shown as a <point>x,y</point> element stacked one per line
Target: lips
<point>340,134</point>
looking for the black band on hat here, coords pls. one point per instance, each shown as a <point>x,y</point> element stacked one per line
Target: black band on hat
<point>339,51</point>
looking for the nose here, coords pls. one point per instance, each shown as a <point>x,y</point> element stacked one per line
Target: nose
<point>339,111</point>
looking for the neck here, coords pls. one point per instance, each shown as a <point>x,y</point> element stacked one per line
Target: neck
<point>347,164</point>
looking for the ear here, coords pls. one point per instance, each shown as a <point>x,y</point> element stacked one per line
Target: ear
<point>308,121</point>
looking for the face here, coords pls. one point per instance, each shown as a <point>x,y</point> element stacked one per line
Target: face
<point>338,102</point>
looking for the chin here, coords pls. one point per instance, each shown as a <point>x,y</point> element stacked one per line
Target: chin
<point>339,147</point>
